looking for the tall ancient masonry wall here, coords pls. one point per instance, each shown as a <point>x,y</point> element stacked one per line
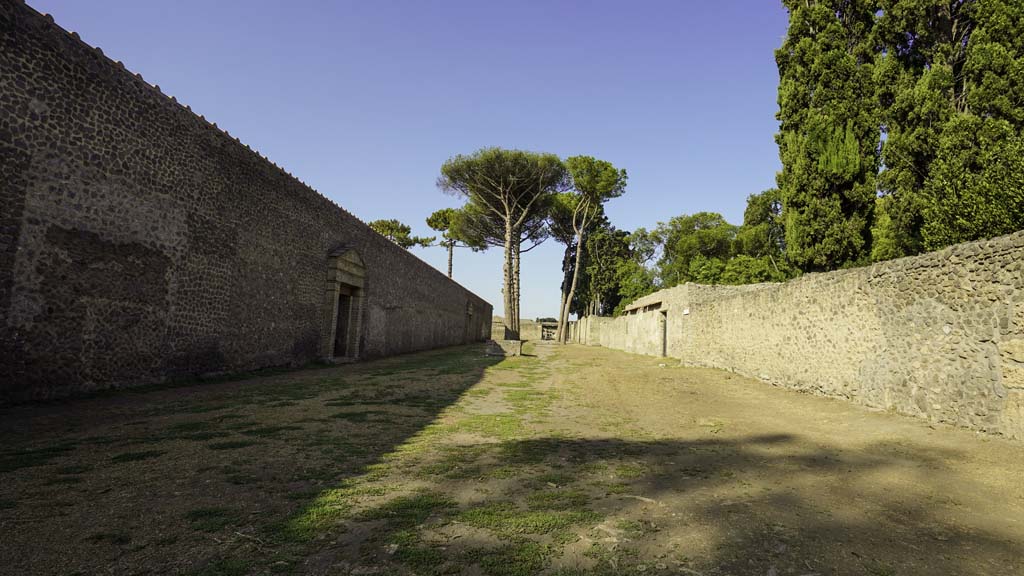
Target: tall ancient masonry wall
<point>939,336</point>
<point>138,242</point>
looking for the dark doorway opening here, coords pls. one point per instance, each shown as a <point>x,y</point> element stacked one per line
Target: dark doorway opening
<point>663,321</point>
<point>341,333</point>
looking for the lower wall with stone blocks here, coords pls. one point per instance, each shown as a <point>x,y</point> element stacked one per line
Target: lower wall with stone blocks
<point>939,336</point>
<point>140,243</point>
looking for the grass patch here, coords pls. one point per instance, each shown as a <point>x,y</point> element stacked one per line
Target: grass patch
<point>529,401</point>
<point>529,452</point>
<point>629,471</point>
<point>519,559</point>
<point>411,552</point>
<point>460,362</point>
<point>503,426</point>
<point>502,472</point>
<point>515,384</point>
<point>631,528</point>
<point>137,456</point>
<point>329,508</point>
<point>558,478</point>
<point>409,511</point>
<point>610,488</point>
<point>557,500</point>
<point>505,519</point>
<point>455,462</point>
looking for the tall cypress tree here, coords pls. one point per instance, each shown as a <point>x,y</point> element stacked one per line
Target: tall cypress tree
<point>950,77</point>
<point>975,188</point>
<point>829,133</point>
<point>919,75</point>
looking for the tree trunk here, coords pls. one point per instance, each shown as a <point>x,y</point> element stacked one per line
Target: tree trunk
<point>563,312</point>
<point>575,275</point>
<point>510,324</point>
<point>515,285</point>
<point>566,256</point>
<point>451,248</point>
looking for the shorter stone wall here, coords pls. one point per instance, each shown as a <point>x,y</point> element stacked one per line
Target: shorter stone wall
<point>938,336</point>
<point>528,329</point>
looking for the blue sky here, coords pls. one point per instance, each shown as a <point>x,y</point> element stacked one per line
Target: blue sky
<point>365,100</point>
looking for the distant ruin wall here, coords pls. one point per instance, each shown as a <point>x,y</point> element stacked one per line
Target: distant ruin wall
<point>138,242</point>
<point>939,336</point>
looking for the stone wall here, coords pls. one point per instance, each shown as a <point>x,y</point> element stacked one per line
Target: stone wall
<point>528,329</point>
<point>139,242</point>
<point>939,336</point>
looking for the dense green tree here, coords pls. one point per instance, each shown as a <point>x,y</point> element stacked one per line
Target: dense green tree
<point>746,269</point>
<point>594,182</point>
<point>683,238</point>
<point>919,79</point>
<point>506,191</point>
<point>828,134</point>
<point>950,79</point>
<point>599,290</point>
<point>760,245</point>
<point>704,270</point>
<point>976,185</point>
<point>400,234</point>
<point>634,275</point>
<point>763,232</point>
<point>447,222</point>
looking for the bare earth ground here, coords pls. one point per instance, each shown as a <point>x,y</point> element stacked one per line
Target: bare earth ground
<point>573,461</point>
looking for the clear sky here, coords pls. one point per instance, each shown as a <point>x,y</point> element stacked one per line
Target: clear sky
<point>365,100</point>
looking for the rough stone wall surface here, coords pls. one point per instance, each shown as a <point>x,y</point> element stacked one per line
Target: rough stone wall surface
<point>138,242</point>
<point>528,329</point>
<point>939,336</point>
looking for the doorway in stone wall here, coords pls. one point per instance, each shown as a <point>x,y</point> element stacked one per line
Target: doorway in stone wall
<point>343,324</point>
<point>343,306</point>
<point>663,328</point>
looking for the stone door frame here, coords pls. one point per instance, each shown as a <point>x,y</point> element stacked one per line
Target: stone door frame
<point>345,272</point>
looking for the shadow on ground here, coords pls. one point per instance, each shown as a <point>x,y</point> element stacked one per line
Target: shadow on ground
<point>203,479</point>
<point>453,462</point>
<point>758,505</point>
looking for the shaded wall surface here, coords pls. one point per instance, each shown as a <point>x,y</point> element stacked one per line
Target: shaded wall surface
<point>938,336</point>
<point>139,242</point>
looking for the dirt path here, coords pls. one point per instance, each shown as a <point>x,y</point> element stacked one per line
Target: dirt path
<point>572,461</point>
